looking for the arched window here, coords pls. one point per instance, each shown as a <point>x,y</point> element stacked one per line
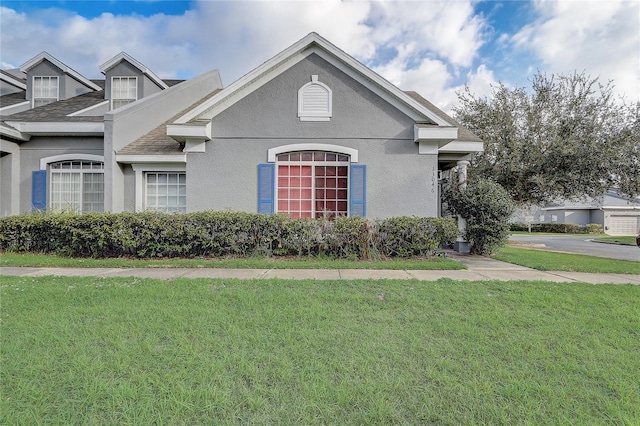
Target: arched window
<point>77,186</point>
<point>312,184</point>
<point>314,101</point>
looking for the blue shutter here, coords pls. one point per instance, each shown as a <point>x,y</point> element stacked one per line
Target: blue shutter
<point>39,190</point>
<point>266,176</point>
<point>358,191</point>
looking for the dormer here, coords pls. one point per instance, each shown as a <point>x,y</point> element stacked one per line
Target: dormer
<point>127,80</point>
<point>49,80</point>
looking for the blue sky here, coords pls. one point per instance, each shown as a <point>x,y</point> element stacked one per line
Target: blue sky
<point>432,46</point>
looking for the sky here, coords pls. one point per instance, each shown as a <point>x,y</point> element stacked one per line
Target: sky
<point>430,46</point>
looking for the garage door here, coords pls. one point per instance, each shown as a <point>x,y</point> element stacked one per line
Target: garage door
<point>623,225</point>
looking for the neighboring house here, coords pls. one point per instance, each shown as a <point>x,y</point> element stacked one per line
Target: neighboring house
<point>311,132</point>
<point>618,215</point>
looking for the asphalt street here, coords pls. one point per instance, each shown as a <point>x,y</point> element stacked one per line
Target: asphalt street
<point>580,245</point>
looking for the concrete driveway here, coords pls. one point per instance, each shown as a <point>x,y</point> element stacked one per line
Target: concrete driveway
<point>578,244</point>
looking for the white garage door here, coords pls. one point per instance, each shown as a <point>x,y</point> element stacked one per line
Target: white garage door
<point>623,225</point>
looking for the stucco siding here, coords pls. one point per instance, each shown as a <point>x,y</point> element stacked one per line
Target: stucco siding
<point>33,151</point>
<point>271,111</point>
<point>399,180</point>
<point>5,185</point>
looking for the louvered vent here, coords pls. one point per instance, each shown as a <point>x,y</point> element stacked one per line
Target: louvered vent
<point>314,101</point>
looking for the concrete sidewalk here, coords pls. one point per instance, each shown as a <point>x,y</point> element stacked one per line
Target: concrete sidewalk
<point>479,269</point>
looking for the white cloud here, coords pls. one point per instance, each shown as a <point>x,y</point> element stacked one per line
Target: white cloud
<point>417,45</point>
<point>599,37</point>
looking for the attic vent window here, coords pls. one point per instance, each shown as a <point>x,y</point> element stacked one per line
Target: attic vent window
<point>314,101</point>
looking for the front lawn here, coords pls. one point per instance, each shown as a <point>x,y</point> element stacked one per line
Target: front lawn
<point>139,351</point>
<point>630,240</point>
<point>554,261</point>
<point>53,261</point>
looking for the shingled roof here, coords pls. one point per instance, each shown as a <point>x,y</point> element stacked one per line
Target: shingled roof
<point>156,141</point>
<point>59,111</point>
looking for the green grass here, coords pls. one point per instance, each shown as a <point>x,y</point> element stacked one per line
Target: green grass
<point>554,261</point>
<point>630,240</point>
<point>138,351</point>
<point>51,261</point>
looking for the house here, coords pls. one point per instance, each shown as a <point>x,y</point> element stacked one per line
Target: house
<point>618,215</point>
<point>311,132</point>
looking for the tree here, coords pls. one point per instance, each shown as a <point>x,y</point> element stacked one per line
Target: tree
<point>561,141</point>
<point>486,206</point>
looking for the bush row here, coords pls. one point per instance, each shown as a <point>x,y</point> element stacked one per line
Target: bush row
<point>217,234</point>
<point>559,228</point>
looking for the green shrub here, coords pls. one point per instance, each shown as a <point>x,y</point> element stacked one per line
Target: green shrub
<point>487,207</point>
<point>218,234</point>
<point>559,228</point>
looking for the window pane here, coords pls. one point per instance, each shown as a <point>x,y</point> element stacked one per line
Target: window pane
<point>305,191</point>
<point>166,192</point>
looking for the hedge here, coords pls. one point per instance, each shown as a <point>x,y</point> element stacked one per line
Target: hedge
<point>219,234</point>
<point>558,228</point>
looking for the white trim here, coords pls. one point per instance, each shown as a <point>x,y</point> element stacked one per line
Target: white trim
<point>13,81</point>
<point>123,56</point>
<point>87,109</point>
<point>6,110</point>
<point>7,130</point>
<point>462,147</point>
<point>149,159</point>
<point>65,69</point>
<point>121,77</point>
<point>620,207</point>
<point>273,152</point>
<point>58,127</point>
<point>444,134</point>
<point>140,169</point>
<point>315,115</point>
<point>195,145</point>
<point>33,87</point>
<point>181,132</point>
<point>312,43</point>
<point>67,157</point>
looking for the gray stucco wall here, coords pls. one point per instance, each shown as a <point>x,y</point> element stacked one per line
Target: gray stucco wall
<point>146,87</point>
<point>399,180</point>
<point>41,147</point>
<point>129,179</point>
<point>68,87</point>
<point>5,185</point>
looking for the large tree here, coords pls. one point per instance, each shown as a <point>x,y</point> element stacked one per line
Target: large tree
<point>563,139</point>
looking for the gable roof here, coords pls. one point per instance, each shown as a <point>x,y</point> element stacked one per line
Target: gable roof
<point>65,68</point>
<point>157,141</point>
<point>312,43</point>
<point>122,56</point>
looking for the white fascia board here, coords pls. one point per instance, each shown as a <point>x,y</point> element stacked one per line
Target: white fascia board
<point>153,158</point>
<point>58,127</point>
<point>312,43</point>
<point>88,109</point>
<point>273,152</point>
<point>6,130</point>
<point>620,207</point>
<point>22,106</point>
<point>13,81</point>
<point>124,56</point>
<point>198,130</point>
<point>65,68</point>
<point>438,133</point>
<point>462,147</point>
